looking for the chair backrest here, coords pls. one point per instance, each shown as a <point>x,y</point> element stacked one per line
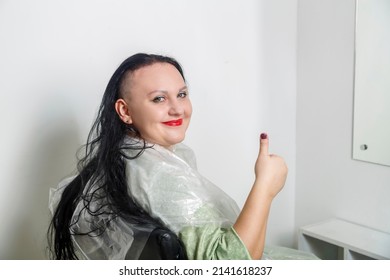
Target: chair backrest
<point>163,244</point>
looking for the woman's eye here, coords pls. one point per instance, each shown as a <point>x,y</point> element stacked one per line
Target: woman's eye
<point>182,94</point>
<point>158,99</point>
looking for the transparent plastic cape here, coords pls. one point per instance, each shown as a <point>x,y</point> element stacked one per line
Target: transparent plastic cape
<point>115,242</point>
<point>166,183</point>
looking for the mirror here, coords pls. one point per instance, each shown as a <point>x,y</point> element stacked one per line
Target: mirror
<point>371,131</point>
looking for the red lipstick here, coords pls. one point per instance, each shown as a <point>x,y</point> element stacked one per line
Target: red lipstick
<point>177,122</point>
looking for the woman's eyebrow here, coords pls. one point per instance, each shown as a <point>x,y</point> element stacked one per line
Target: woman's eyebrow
<point>165,91</point>
<point>183,88</point>
<point>158,90</point>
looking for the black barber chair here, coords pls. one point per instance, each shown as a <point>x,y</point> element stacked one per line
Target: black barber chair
<point>162,244</point>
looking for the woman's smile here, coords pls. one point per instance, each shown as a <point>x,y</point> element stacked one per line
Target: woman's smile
<point>177,122</point>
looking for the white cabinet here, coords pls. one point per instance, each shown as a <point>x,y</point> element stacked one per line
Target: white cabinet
<point>338,239</point>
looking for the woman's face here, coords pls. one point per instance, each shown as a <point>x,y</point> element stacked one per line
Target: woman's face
<point>157,103</point>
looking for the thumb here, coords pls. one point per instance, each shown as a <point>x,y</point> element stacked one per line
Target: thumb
<point>264,144</point>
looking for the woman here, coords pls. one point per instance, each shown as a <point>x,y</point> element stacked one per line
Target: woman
<point>137,176</point>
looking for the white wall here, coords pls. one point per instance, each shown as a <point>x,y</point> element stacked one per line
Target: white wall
<point>329,183</point>
<point>57,56</point>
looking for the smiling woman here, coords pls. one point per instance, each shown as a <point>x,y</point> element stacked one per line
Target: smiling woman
<point>138,194</point>
<point>155,100</point>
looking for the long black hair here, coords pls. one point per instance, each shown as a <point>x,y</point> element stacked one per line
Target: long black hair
<point>103,164</point>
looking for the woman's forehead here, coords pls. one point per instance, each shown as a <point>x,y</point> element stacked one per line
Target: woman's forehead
<point>158,76</point>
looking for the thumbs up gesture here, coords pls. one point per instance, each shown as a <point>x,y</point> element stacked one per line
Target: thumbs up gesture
<point>270,170</point>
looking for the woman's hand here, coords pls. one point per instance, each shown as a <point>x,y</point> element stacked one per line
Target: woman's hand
<point>270,170</point>
<point>251,224</point>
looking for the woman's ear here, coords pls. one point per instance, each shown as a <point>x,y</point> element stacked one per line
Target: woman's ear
<point>122,109</point>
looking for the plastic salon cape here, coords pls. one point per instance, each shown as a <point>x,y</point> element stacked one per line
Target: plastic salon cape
<point>167,184</point>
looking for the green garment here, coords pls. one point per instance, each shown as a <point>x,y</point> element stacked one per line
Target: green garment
<point>283,253</point>
<point>213,243</point>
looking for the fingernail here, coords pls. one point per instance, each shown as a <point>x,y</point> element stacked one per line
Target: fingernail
<point>263,136</point>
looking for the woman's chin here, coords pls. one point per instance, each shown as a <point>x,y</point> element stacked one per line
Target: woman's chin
<point>175,139</point>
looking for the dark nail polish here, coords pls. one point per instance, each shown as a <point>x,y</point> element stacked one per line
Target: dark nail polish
<point>263,136</point>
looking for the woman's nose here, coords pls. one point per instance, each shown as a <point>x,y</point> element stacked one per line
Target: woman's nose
<point>176,108</point>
